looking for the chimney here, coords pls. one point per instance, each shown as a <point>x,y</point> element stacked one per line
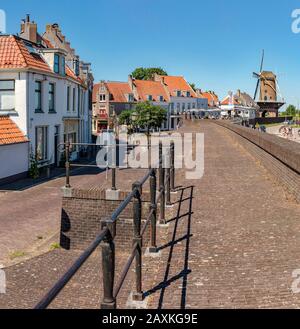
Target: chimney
<point>130,82</point>
<point>239,93</point>
<point>29,30</point>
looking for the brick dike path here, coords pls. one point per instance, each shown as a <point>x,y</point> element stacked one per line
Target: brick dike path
<point>233,241</point>
<point>237,241</point>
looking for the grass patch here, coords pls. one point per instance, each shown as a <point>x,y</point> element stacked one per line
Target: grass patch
<point>55,246</point>
<point>17,254</point>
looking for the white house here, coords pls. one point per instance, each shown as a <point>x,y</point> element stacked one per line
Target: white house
<point>238,105</point>
<point>13,150</point>
<point>42,94</point>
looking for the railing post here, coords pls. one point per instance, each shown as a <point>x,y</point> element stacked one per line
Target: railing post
<point>108,268</point>
<point>113,150</point>
<point>162,186</point>
<point>172,166</point>
<point>153,247</point>
<point>168,178</point>
<point>137,239</point>
<point>67,153</point>
<point>113,179</point>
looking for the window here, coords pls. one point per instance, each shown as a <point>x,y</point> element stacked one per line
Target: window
<point>56,63</point>
<point>102,97</point>
<point>189,106</point>
<point>178,93</point>
<point>63,65</point>
<point>161,98</point>
<point>51,97</point>
<point>149,98</point>
<point>7,95</point>
<point>41,143</point>
<point>38,96</point>
<point>79,100</point>
<point>73,100</point>
<point>178,107</point>
<point>130,98</point>
<point>183,106</point>
<point>68,99</point>
<point>194,105</point>
<point>188,94</point>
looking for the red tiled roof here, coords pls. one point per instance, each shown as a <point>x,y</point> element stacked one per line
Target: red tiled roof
<point>153,88</point>
<point>118,90</point>
<point>10,132</point>
<point>229,100</point>
<point>212,98</point>
<point>175,83</point>
<point>15,55</point>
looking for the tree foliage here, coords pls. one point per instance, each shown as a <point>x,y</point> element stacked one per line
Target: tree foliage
<point>145,115</point>
<point>290,111</point>
<point>193,86</point>
<point>142,73</point>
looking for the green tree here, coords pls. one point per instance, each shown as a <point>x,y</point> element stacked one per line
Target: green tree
<point>291,110</point>
<point>142,73</point>
<point>149,116</point>
<point>193,86</point>
<point>125,117</point>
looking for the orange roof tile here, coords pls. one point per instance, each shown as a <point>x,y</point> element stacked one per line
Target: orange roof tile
<point>153,88</point>
<point>10,132</point>
<point>15,55</point>
<point>118,90</point>
<point>212,98</point>
<point>229,100</point>
<point>175,83</point>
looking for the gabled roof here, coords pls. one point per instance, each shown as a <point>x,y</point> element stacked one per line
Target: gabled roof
<point>15,55</point>
<point>175,83</point>
<point>118,91</point>
<point>230,100</point>
<point>10,132</point>
<point>212,98</point>
<point>153,88</point>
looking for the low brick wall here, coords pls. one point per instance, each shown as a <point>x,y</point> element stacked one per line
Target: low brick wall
<point>279,156</point>
<point>83,211</point>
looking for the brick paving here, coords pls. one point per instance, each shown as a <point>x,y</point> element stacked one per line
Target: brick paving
<point>233,241</point>
<point>242,241</point>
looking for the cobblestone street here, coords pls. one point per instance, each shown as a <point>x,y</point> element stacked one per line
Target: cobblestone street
<point>233,240</point>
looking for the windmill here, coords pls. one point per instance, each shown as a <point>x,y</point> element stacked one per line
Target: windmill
<point>270,100</point>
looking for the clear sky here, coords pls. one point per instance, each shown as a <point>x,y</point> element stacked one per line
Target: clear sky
<point>216,44</point>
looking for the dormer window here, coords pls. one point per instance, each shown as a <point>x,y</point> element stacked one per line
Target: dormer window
<point>188,94</point>
<point>178,93</point>
<point>150,98</point>
<point>130,98</point>
<point>56,63</point>
<point>161,98</point>
<point>63,65</point>
<point>76,67</point>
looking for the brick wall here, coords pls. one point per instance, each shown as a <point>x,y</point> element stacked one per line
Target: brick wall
<point>83,211</point>
<point>279,156</point>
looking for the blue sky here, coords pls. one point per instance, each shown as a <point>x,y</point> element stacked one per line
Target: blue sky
<point>216,44</point>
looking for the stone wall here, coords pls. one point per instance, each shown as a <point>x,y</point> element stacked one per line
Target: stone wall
<point>83,211</point>
<point>279,156</point>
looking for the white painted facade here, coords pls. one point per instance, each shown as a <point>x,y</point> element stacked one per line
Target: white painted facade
<point>14,159</point>
<point>73,122</point>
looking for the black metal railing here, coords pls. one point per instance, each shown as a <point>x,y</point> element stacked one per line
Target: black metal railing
<point>107,234</point>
